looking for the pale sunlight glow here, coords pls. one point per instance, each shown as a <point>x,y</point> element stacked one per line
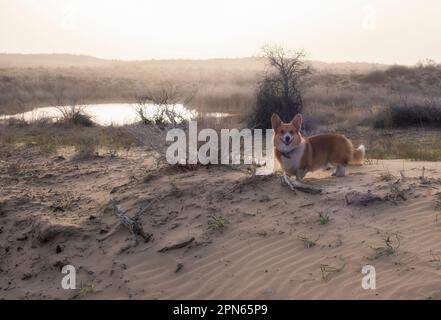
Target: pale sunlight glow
<point>387,31</point>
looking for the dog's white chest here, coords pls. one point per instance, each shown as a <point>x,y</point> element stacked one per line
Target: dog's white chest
<point>292,163</point>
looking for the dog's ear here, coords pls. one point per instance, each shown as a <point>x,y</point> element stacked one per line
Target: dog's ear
<point>275,121</point>
<point>297,121</point>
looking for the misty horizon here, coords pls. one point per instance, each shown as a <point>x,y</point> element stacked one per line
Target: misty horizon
<point>344,31</point>
<point>82,55</point>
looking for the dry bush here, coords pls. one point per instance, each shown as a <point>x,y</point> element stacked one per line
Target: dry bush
<point>85,148</point>
<point>17,122</point>
<point>279,90</point>
<point>116,139</point>
<point>152,137</point>
<point>74,115</point>
<point>410,112</point>
<point>163,104</point>
<point>151,130</point>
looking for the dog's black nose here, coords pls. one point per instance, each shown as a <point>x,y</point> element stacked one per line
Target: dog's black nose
<point>287,139</point>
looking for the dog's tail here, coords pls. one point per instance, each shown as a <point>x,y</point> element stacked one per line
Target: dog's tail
<point>358,155</point>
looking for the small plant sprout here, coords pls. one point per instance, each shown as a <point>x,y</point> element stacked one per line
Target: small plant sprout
<point>84,290</point>
<point>391,245</point>
<point>217,222</point>
<point>386,176</point>
<point>309,243</point>
<point>323,218</point>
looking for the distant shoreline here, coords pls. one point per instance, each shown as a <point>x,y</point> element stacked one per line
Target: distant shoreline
<point>60,60</point>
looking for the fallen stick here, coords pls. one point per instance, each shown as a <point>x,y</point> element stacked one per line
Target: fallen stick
<point>360,198</point>
<point>115,189</point>
<point>111,232</point>
<point>300,187</point>
<point>124,219</point>
<point>142,210</point>
<point>177,245</point>
<point>134,226</point>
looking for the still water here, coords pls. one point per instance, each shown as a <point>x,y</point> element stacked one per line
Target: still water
<point>117,114</point>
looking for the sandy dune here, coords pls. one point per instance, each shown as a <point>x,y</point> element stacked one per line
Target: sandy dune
<point>265,242</point>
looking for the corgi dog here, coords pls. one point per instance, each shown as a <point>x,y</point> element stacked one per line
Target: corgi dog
<point>298,155</point>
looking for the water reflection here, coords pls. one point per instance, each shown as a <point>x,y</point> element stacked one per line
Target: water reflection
<point>112,113</point>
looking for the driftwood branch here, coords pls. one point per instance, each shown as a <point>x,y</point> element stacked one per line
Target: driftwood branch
<point>114,229</point>
<point>132,225</point>
<point>300,187</point>
<point>360,198</point>
<point>178,245</point>
<point>123,218</point>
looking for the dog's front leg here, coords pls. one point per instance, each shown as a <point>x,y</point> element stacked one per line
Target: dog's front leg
<point>340,171</point>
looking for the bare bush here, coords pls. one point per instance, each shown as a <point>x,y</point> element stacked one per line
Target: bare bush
<point>74,114</point>
<point>86,148</point>
<point>68,104</point>
<point>279,90</point>
<point>162,106</point>
<point>158,112</point>
<point>151,137</point>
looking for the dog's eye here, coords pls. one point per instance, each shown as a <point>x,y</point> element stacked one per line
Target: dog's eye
<point>282,132</point>
<point>291,132</point>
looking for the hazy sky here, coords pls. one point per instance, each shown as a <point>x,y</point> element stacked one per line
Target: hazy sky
<point>388,31</point>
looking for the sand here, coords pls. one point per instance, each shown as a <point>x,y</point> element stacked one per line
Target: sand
<point>229,236</point>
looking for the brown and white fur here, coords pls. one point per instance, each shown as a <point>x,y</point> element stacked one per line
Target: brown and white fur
<point>298,155</point>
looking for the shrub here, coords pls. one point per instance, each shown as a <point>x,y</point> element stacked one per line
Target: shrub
<point>409,115</point>
<point>269,101</point>
<point>401,71</point>
<point>85,148</point>
<point>17,122</point>
<point>375,77</point>
<point>74,115</point>
<point>279,91</point>
<point>81,119</point>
